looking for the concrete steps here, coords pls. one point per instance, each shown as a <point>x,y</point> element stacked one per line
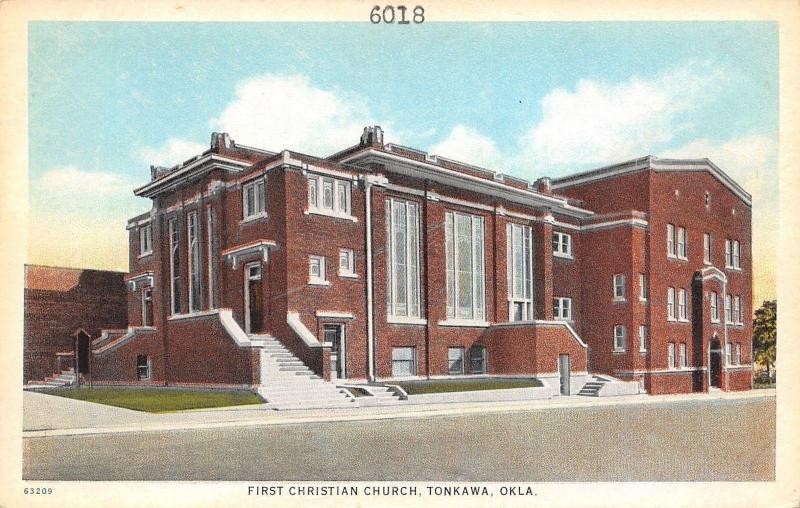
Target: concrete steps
<point>64,378</point>
<point>592,388</point>
<point>287,383</point>
<point>381,396</point>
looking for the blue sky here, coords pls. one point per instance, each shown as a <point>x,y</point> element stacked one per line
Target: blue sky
<point>107,99</point>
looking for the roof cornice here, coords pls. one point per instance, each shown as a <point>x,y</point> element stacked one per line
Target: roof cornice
<point>433,172</point>
<point>659,166</point>
<point>207,163</point>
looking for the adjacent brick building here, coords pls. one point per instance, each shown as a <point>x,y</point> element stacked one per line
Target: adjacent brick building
<point>383,262</point>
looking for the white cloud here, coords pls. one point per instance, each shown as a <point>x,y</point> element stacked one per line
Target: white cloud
<point>600,122</point>
<point>174,151</point>
<point>71,181</point>
<point>275,111</point>
<point>468,145</point>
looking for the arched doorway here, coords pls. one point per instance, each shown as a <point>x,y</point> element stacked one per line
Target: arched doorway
<point>715,363</point>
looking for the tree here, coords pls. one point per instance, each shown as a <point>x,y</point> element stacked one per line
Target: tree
<point>765,334</point>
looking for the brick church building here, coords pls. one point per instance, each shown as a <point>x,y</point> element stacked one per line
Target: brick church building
<point>382,262</point>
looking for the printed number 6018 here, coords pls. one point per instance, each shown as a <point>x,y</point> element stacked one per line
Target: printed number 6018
<point>391,13</point>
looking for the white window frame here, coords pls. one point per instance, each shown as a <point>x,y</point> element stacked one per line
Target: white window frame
<point>562,245</point>
<point>147,295</point>
<point>347,264</point>
<point>322,278</point>
<point>644,287</point>
<point>484,360</point>
<point>707,248</point>
<point>671,253</point>
<point>682,247</point>
<point>728,309</point>
<point>193,258</point>
<point>174,267</point>
<point>682,359</point>
<point>671,316</point>
<point>683,306</point>
<point>412,362</point>
<point>738,313</point>
<point>620,338</point>
<point>729,353</point>
<point>736,255</point>
<point>519,248</point>
<point>148,368</point>
<point>738,353</point>
<point>477,268</point>
<point>714,304</point>
<point>258,208</point>
<point>145,240</point>
<point>644,338</point>
<point>671,355</point>
<point>450,360</point>
<point>211,229</point>
<point>619,288</point>
<point>341,196</point>
<point>404,271</point>
<point>562,308</point>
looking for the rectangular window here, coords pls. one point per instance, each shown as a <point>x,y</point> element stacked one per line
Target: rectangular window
<point>562,245</point>
<point>682,313</point>
<point>619,338</point>
<point>682,355</point>
<point>728,310</point>
<point>728,254</point>
<point>682,243</point>
<point>316,270</point>
<point>192,227</point>
<point>347,267</point>
<point>671,240</point>
<point>455,360</point>
<point>729,353</point>
<point>329,196</point>
<point>671,304</point>
<point>145,240</point>
<point>464,252</point>
<point>738,353</point>
<point>404,361</point>
<point>519,272</point>
<point>254,198</point>
<point>736,259</point>
<point>738,313</point>
<point>402,258</point>
<point>212,258</point>
<point>643,338</point>
<point>619,287</point>
<point>707,248</point>
<point>477,360</point>
<point>714,307</point>
<point>671,355</point>
<point>174,267</point>
<point>147,307</point>
<point>142,367</point>
<point>562,308</point>
<point>644,287</point>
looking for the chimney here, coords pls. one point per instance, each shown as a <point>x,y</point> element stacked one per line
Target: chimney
<point>543,185</point>
<point>221,140</point>
<point>372,136</point>
<point>158,171</point>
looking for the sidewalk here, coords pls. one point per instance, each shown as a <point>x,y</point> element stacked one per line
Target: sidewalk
<point>48,415</point>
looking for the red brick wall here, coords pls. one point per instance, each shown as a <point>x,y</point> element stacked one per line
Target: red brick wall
<point>58,301</point>
<point>119,365</point>
<point>531,349</point>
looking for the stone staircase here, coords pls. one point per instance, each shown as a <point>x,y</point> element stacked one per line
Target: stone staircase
<point>592,388</point>
<point>286,383</point>
<point>381,396</point>
<point>64,378</point>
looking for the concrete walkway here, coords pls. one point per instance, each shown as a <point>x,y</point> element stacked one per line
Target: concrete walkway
<point>49,415</point>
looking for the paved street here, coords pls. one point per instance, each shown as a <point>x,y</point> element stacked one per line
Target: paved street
<point>676,441</point>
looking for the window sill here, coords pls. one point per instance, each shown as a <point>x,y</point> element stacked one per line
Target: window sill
<point>678,258</point>
<point>145,254</point>
<point>644,301</point>
<point>348,275</point>
<point>330,213</point>
<point>560,255</point>
<point>733,268</point>
<point>464,323</point>
<point>254,218</point>
<point>643,351</point>
<point>618,351</point>
<point>403,320</point>
<point>620,300</point>
<point>319,282</point>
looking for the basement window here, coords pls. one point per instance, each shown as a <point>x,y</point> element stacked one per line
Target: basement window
<point>143,367</point>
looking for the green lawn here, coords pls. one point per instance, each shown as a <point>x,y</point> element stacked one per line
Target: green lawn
<point>465,385</point>
<point>159,400</point>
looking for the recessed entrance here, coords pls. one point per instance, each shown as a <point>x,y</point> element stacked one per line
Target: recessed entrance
<point>253,295</point>
<point>715,364</point>
<point>334,333</point>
